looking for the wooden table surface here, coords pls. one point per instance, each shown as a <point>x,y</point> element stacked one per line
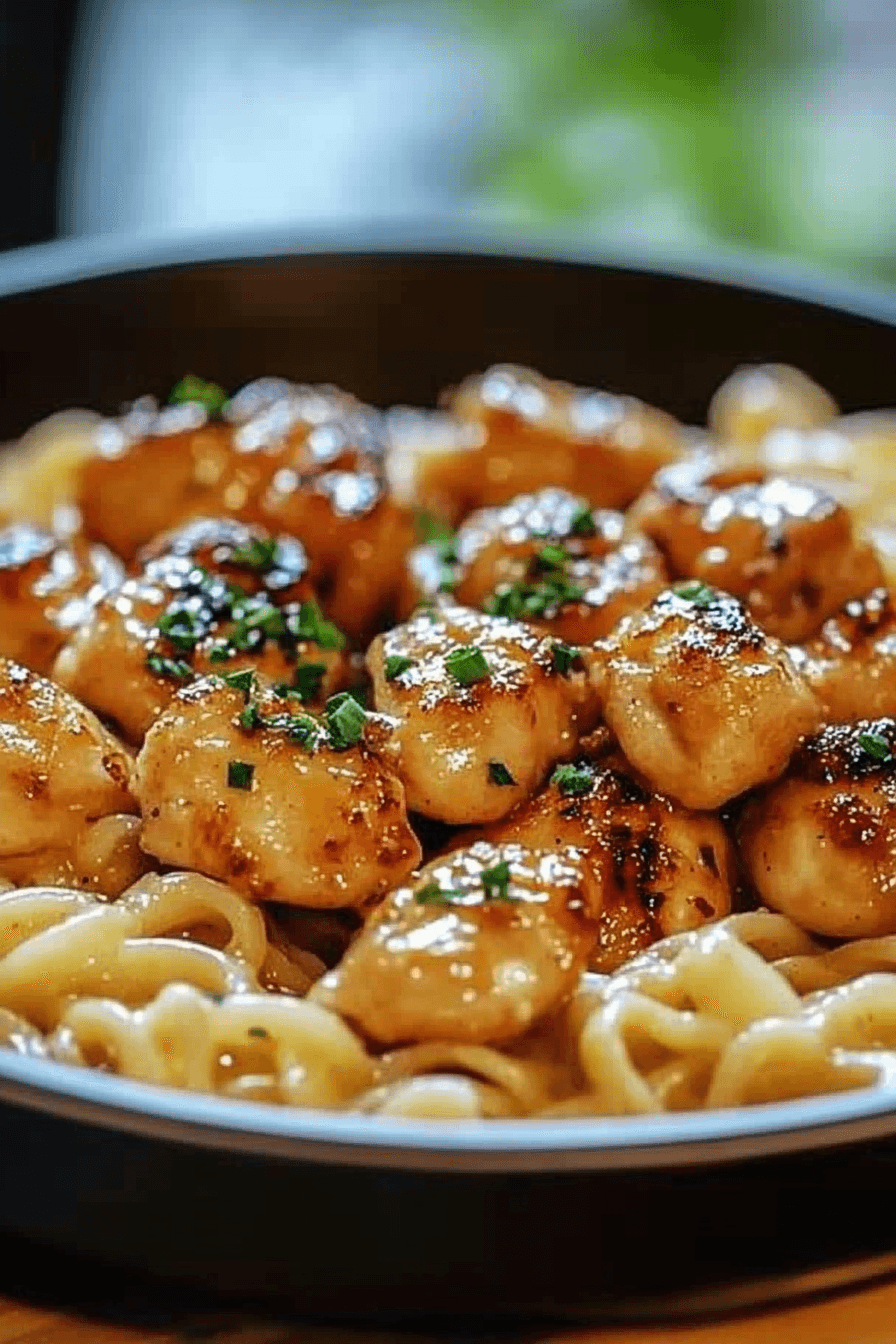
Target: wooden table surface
<point>860,1316</point>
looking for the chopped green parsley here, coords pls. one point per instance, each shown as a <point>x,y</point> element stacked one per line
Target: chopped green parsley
<point>239,775</point>
<point>467,664</point>
<point>395,665</point>
<point>572,780</point>
<point>191,389</point>
<point>499,774</point>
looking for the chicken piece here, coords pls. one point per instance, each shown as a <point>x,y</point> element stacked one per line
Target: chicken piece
<point>660,868</point>
<point>547,558</point>
<point>851,664</point>
<point>484,942</point>
<point>786,547</point>
<point>757,398</point>
<point>280,805</point>
<point>59,768</point>
<point>534,432</point>
<point>820,844</point>
<point>484,707</point>
<point>703,703</point>
<point>150,470</point>
<point>214,595</point>
<point>38,474</point>
<point>104,858</point>
<point>49,585</point>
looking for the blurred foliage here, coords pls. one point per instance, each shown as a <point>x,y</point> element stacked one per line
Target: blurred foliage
<point>619,103</point>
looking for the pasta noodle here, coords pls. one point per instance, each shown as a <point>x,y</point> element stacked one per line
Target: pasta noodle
<point>457,867</point>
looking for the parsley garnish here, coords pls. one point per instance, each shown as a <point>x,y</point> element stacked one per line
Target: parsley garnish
<point>303,730</point>
<point>171,668</point>
<point>495,882</point>
<point>582,523</point>
<point>551,557</point>
<point>251,717</point>
<point>241,681</point>
<point>256,554</point>
<point>499,774</point>
<point>239,775</point>
<point>432,529</point>
<point>308,679</point>
<point>345,720</point>
<point>875,745</point>
<point>572,780</point>
<point>309,623</point>
<point>260,1032</point>
<point>193,389</point>
<point>523,599</point>
<point>696,592</point>
<point>432,894</point>
<point>395,665</point>
<point>564,655</point>
<point>181,628</point>
<point>467,664</point>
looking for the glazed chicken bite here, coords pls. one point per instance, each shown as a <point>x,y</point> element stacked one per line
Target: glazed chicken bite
<point>532,432</point>
<point>283,806</point>
<point>60,773</point>
<point>786,547</point>
<point>214,595</point>
<point>484,706</point>
<point>758,398</point>
<point>547,558</point>
<point>820,844</point>
<point>851,664</point>
<point>704,705</point>
<point>49,586</point>
<point>660,868</point>
<point>482,944</point>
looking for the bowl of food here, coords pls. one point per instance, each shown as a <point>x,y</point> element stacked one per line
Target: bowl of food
<point>448,707</point>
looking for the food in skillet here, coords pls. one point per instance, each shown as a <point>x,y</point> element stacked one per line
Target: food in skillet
<point>534,755</point>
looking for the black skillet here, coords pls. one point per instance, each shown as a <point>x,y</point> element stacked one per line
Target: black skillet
<point>345,1216</point>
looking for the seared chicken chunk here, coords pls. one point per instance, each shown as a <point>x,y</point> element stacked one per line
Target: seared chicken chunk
<point>484,942</point>
<point>703,703</point>
<point>484,707</point>
<point>785,547</point>
<point>49,586</point>
<point>281,805</point>
<point>60,770</point>
<point>548,558</point>
<point>215,595</point>
<point>851,664</point>
<point>660,868</point>
<point>820,844</point>
<point>103,857</point>
<point>758,398</point>
<point>533,432</point>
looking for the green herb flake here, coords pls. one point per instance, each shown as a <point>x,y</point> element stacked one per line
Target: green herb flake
<point>260,1032</point>
<point>467,664</point>
<point>572,780</point>
<point>220,653</point>
<point>551,557</point>
<point>564,655</point>
<point>241,681</point>
<point>582,523</point>
<point>308,679</point>
<point>433,894</point>
<point>496,881</point>
<point>196,390</point>
<point>698,593</point>
<point>256,554</point>
<point>875,745</point>
<point>345,720</point>
<point>431,529</point>
<point>303,730</point>
<point>239,775</point>
<point>172,669</point>
<point>499,774</point>
<point>251,718</point>
<point>179,627</point>
<point>309,623</point>
<point>395,665</point>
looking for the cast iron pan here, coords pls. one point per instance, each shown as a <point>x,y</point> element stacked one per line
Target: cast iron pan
<point>342,1216</point>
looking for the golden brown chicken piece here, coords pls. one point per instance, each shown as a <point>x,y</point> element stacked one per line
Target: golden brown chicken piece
<point>820,844</point>
<point>533,432</point>
<point>484,942</point>
<point>547,558</point>
<point>214,595</point>
<point>784,546</point>
<point>703,703</point>
<point>851,664</point>
<point>60,772</point>
<point>283,806</point>
<point>758,398</point>
<point>299,460</point>
<point>49,586</point>
<point>484,706</point>
<point>660,868</point>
